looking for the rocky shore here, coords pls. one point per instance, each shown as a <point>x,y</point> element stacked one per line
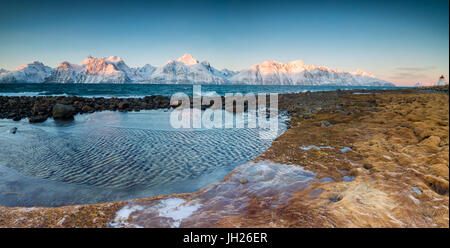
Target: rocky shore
<point>377,159</point>
<point>39,109</point>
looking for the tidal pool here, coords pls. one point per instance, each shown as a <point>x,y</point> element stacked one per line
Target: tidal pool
<point>109,156</point>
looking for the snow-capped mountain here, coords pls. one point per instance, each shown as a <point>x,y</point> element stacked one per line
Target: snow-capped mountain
<point>130,73</point>
<point>95,70</point>
<point>91,70</point>
<point>187,70</point>
<point>228,73</point>
<point>65,73</point>
<point>34,72</point>
<point>297,73</point>
<point>145,71</point>
<point>188,60</point>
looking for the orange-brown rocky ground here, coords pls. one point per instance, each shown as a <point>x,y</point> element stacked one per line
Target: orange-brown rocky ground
<point>394,174</point>
<point>398,141</point>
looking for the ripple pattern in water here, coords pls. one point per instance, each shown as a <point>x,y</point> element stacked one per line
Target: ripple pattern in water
<point>119,151</point>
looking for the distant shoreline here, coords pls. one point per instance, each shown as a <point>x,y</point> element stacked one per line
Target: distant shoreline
<point>39,108</point>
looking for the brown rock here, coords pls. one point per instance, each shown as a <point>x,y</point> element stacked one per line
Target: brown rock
<point>87,109</point>
<point>123,105</point>
<point>431,144</point>
<point>439,185</point>
<point>37,118</point>
<point>61,111</point>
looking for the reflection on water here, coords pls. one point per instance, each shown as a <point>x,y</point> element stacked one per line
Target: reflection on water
<point>109,156</point>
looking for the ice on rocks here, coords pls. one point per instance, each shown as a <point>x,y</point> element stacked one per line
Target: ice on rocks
<point>265,180</point>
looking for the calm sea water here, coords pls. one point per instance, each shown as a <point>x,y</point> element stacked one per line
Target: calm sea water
<point>139,90</point>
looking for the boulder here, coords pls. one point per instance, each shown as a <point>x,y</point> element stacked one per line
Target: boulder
<point>37,118</point>
<point>63,112</point>
<point>123,105</point>
<point>38,108</point>
<point>431,144</point>
<point>87,109</point>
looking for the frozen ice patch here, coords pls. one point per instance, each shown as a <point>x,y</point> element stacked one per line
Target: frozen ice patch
<point>177,209</point>
<point>123,214</point>
<point>345,149</point>
<point>325,179</point>
<point>348,178</point>
<point>306,148</point>
<point>417,190</point>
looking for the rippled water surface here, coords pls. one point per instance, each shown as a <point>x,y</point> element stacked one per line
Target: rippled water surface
<point>108,156</point>
<point>140,90</point>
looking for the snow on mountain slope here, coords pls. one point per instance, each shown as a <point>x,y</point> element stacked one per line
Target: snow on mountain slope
<point>228,73</point>
<point>145,71</point>
<point>297,73</point>
<point>120,65</point>
<point>187,70</point>
<point>94,70</point>
<point>65,73</point>
<point>101,70</point>
<point>34,72</point>
<point>188,60</point>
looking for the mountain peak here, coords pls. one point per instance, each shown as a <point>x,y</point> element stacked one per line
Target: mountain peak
<point>114,59</point>
<point>65,65</point>
<point>363,73</point>
<point>187,59</point>
<point>33,63</point>
<point>110,59</point>
<point>269,62</point>
<point>297,62</point>
<point>88,60</point>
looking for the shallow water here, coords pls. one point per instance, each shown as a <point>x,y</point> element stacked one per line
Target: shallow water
<point>108,156</point>
<point>274,184</point>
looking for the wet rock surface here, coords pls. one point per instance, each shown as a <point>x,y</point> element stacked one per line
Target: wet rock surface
<point>397,160</point>
<point>63,112</point>
<point>13,130</point>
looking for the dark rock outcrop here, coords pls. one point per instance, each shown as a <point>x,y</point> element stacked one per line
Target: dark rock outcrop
<point>38,109</point>
<point>37,118</point>
<point>63,112</point>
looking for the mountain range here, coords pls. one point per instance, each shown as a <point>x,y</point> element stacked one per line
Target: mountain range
<point>186,70</point>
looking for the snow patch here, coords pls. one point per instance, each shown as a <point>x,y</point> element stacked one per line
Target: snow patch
<point>306,148</point>
<point>345,149</point>
<point>123,214</point>
<point>177,209</point>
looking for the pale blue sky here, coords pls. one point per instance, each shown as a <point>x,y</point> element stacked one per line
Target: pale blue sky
<point>401,41</point>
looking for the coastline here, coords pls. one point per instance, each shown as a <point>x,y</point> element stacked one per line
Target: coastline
<point>380,149</point>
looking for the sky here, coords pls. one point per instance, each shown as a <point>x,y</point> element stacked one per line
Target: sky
<point>404,42</point>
